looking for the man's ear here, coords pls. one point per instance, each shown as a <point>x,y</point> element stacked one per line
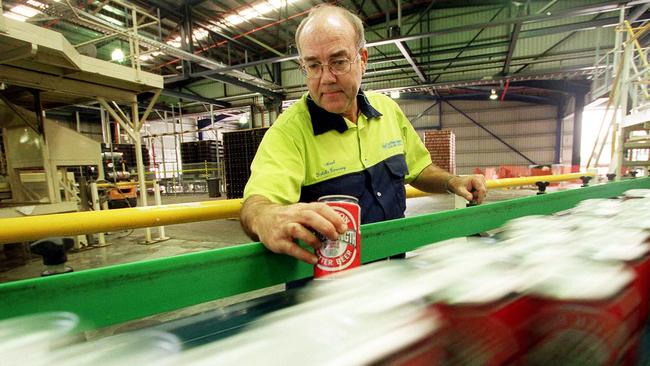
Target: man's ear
<point>364,59</point>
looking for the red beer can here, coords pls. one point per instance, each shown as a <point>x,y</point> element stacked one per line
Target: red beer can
<point>343,253</point>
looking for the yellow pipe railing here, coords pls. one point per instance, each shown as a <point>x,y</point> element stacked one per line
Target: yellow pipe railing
<point>187,170</point>
<point>511,182</point>
<point>123,184</point>
<point>28,228</point>
<point>77,223</point>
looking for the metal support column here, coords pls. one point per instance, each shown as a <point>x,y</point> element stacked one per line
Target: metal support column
<point>94,194</point>
<point>135,119</point>
<point>49,168</point>
<point>180,121</point>
<point>212,121</point>
<point>579,105</point>
<point>177,148</point>
<point>618,40</point>
<point>558,131</point>
<point>158,200</point>
<point>162,156</point>
<point>617,143</point>
<point>118,134</point>
<point>105,130</point>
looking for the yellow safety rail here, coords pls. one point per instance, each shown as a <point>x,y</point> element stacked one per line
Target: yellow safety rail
<point>187,170</point>
<point>511,182</point>
<point>123,184</point>
<point>36,227</point>
<point>76,223</point>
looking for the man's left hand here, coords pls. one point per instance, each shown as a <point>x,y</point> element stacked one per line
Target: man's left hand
<point>470,187</point>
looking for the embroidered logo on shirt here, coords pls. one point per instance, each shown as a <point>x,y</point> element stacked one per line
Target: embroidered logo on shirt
<point>330,168</point>
<point>392,144</point>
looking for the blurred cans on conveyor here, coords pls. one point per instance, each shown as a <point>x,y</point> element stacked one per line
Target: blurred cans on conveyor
<point>55,339</point>
<point>567,289</point>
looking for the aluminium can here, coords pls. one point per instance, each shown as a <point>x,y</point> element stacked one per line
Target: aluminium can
<point>343,253</point>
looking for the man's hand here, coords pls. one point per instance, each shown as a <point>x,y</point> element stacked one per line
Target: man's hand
<point>278,226</point>
<point>470,187</point>
<point>435,180</point>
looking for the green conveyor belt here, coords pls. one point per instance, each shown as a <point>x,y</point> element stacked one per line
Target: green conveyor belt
<point>115,294</point>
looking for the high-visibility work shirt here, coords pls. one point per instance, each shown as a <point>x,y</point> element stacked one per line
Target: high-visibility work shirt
<point>309,153</point>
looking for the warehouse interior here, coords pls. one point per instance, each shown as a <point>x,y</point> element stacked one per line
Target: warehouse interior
<point>127,131</point>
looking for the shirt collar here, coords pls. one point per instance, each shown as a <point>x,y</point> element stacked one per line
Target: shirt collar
<point>323,121</point>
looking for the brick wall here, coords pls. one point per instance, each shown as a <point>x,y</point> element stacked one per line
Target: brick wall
<point>442,147</point>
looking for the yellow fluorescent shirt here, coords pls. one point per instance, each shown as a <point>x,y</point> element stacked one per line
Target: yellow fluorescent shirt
<point>309,152</point>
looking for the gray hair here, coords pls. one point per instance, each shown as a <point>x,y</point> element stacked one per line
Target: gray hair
<point>354,20</point>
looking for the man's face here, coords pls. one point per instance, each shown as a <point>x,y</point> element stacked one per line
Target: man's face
<point>324,40</point>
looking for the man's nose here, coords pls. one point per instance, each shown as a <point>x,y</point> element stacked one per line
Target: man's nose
<point>327,76</point>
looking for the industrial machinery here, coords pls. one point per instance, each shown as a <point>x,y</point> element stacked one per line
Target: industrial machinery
<point>119,164</point>
<point>116,170</point>
<point>113,295</point>
<point>48,72</point>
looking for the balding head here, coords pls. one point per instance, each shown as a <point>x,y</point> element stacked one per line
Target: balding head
<point>322,11</point>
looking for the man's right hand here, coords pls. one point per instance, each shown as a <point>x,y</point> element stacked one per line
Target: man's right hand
<point>277,226</point>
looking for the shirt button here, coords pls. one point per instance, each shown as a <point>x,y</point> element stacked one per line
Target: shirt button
<point>378,194</point>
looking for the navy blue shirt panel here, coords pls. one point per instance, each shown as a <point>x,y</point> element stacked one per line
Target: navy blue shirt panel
<point>379,189</point>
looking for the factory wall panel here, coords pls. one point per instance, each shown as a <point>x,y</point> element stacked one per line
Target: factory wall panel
<point>529,128</point>
<point>292,77</point>
<point>518,114</point>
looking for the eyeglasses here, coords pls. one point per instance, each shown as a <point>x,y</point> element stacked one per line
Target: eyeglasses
<point>338,66</point>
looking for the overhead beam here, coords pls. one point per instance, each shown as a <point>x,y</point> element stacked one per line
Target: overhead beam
<point>234,81</point>
<point>245,65</point>
<point>511,49</point>
<point>19,53</point>
<point>571,12</point>
<point>194,98</point>
<point>466,47</point>
<point>556,44</point>
<point>601,22</point>
<point>246,79</point>
<point>513,43</point>
<point>52,83</point>
<point>422,14</point>
<point>410,60</point>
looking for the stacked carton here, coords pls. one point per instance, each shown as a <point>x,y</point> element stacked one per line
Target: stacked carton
<point>239,148</point>
<point>442,147</point>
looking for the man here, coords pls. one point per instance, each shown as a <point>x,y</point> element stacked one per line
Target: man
<point>337,140</point>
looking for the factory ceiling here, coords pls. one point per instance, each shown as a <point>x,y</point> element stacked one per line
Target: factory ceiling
<point>228,51</point>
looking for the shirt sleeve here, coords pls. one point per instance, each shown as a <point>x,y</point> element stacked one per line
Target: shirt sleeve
<point>277,171</point>
<point>417,155</point>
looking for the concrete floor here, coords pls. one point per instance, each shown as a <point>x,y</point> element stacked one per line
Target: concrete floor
<point>126,246</point>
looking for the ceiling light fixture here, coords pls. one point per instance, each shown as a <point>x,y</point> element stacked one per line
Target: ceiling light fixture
<point>117,55</point>
<point>394,94</point>
<point>493,95</point>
